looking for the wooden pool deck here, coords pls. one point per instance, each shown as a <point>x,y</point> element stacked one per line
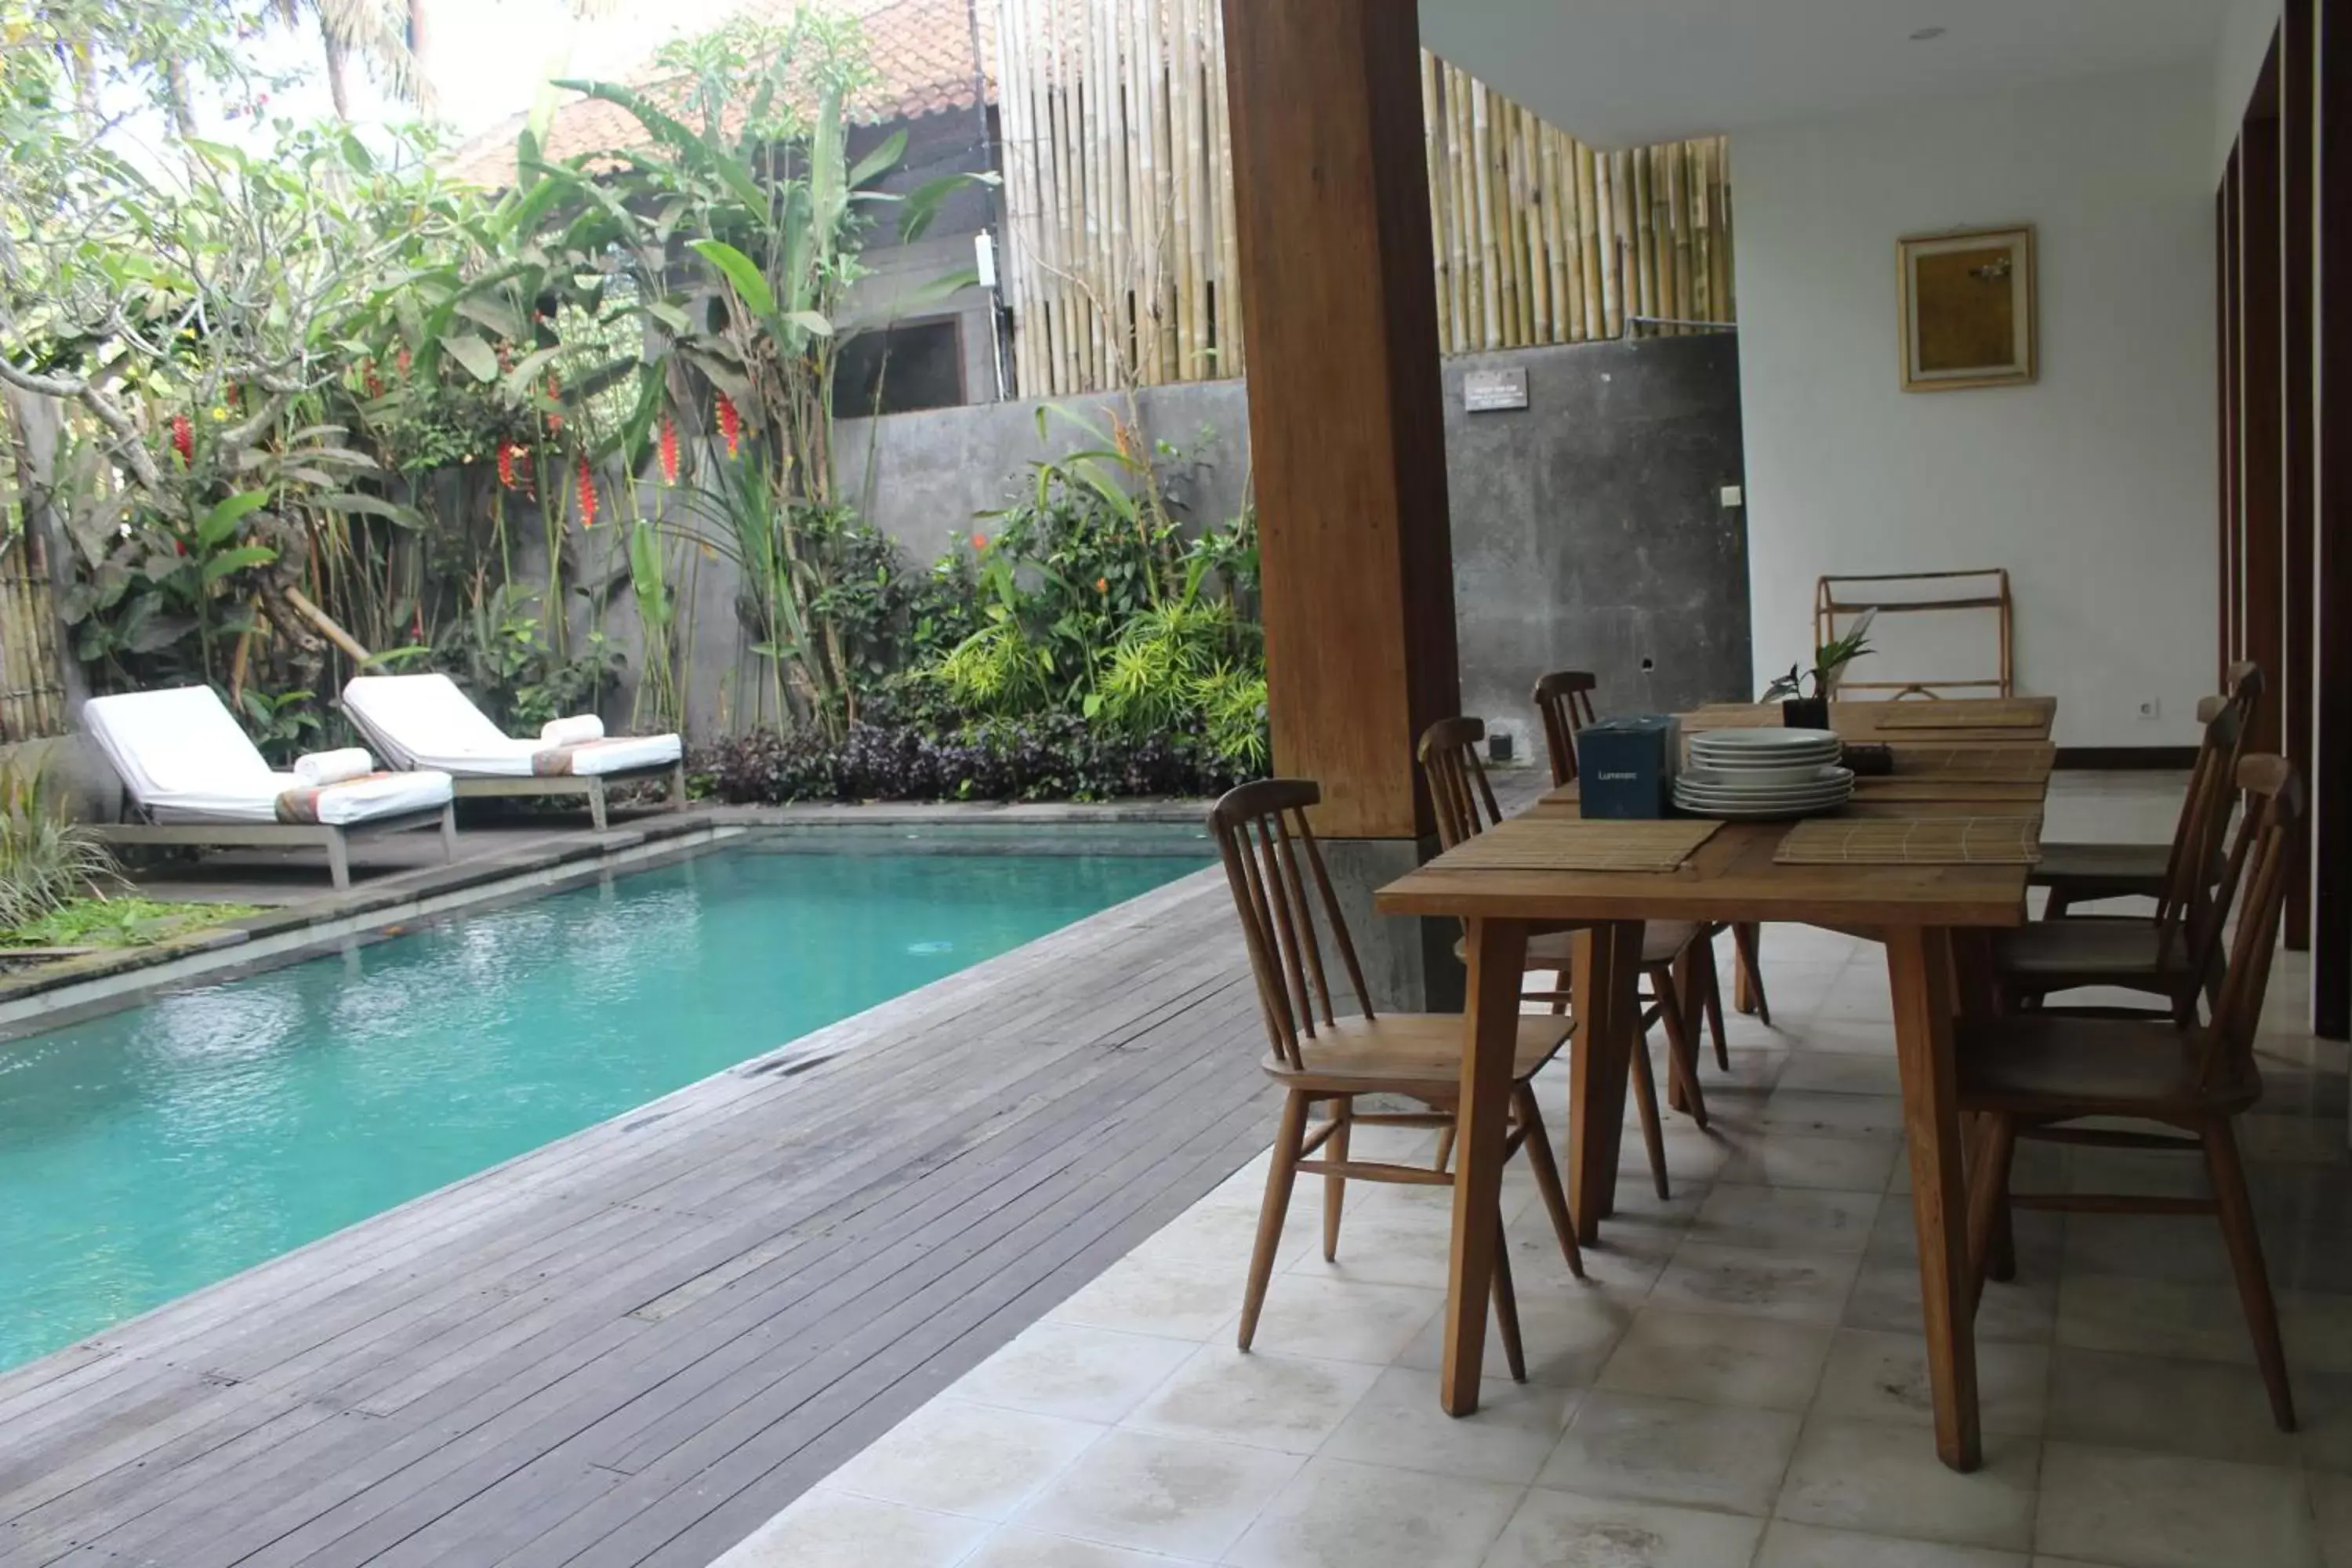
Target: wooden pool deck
<point>635,1345</point>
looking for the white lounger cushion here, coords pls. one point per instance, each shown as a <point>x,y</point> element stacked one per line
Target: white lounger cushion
<point>426,721</point>
<point>184,759</point>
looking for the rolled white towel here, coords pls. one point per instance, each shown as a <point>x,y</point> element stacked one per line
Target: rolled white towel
<point>577,729</point>
<point>317,768</point>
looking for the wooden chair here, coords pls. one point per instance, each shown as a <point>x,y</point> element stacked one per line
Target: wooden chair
<point>1465,806</point>
<point>2041,1075</point>
<point>1321,1058</point>
<point>1564,702</point>
<point>2174,954</point>
<point>2084,873</point>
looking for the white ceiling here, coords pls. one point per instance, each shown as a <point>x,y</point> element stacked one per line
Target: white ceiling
<point>1625,72</point>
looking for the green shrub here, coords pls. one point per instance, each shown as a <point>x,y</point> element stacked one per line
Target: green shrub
<point>46,860</point>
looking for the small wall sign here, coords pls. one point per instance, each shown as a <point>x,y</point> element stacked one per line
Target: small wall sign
<point>1491,391</point>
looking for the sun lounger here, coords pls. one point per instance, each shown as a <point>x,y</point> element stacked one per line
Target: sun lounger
<point>192,777</point>
<point>425,721</point>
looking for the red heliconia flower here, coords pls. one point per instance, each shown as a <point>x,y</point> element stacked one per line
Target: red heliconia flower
<point>508,451</point>
<point>730,424</point>
<point>587,494</point>
<point>669,450</point>
<point>184,440</point>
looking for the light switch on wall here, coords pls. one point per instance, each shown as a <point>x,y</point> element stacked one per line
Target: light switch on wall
<point>1735,495</point>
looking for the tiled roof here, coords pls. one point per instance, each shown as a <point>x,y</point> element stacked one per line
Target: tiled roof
<point>922,51</point>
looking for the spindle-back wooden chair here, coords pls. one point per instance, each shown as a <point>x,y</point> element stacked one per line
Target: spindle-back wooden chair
<point>1323,1055</point>
<point>2040,1075</point>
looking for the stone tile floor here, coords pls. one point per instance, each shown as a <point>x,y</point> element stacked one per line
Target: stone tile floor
<point>1740,1384</point>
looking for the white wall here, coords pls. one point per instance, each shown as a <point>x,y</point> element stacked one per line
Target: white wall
<point>2097,487</point>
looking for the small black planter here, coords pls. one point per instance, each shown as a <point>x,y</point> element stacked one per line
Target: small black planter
<point>1805,712</point>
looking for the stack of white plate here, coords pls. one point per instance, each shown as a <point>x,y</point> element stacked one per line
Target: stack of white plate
<point>1763,773</point>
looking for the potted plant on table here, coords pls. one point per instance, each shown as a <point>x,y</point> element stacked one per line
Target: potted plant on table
<point>1799,711</point>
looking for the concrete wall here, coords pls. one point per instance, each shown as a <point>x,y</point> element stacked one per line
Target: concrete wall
<point>923,478</point>
<point>1589,530</point>
<point>2095,486</point>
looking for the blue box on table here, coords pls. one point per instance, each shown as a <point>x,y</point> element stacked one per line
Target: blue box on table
<point>1625,767</point>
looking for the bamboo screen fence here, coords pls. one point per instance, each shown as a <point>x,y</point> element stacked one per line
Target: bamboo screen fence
<point>32,685</point>
<point>1118,198</point>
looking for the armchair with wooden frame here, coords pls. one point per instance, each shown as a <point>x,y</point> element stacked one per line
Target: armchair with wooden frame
<point>1322,1057</point>
<point>1465,806</point>
<point>2044,1075</point>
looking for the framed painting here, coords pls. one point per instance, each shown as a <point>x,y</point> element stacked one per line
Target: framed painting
<point>1967,308</point>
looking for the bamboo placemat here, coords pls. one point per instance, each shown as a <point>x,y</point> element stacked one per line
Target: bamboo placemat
<point>1967,713</point>
<point>1950,788</point>
<point>1939,841</point>
<point>1920,810</point>
<point>2005,764</point>
<point>1572,844</point>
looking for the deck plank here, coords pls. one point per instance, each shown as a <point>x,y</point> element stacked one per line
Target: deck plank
<point>636,1344</point>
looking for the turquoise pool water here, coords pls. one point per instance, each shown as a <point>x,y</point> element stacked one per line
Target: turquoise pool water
<point>150,1152</point>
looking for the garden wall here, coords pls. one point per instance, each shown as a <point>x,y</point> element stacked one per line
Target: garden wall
<point>1589,529</point>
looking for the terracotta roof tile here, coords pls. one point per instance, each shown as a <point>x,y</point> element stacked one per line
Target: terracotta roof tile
<point>922,51</point>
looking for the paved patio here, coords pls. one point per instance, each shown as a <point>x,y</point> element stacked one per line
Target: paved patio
<point>1742,1383</point>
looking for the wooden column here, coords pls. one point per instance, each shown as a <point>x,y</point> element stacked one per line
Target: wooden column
<point>2332,634</point>
<point>1347,439</point>
<point>2297,149</point>
<point>2261,468</point>
<point>2233,533</point>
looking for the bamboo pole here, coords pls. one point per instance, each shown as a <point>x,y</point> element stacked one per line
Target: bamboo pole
<point>1134,288</point>
<point>1533,249</point>
<point>1506,214</point>
<point>1507,118</point>
<point>1685,304</point>
<point>1701,173</point>
<point>1229,293</point>
<point>1464,205</point>
<point>1558,194</point>
<point>1112,288</point>
<point>1014,125</point>
<point>1604,227</point>
<point>1158,317</point>
<point>1202,231</point>
<point>1490,255</point>
<point>1726,297</point>
<point>1644,251</point>
<point>1589,229</point>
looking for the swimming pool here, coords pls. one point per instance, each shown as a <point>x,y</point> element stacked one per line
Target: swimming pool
<point>150,1152</point>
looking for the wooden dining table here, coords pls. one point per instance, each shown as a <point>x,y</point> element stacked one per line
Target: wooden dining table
<point>1934,920</point>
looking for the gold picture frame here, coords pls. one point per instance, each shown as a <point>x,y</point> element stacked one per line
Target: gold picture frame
<point>1967,308</point>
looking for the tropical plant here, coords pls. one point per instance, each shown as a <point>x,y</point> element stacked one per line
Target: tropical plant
<point>730,245</point>
<point>1829,660</point>
<point>46,859</point>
